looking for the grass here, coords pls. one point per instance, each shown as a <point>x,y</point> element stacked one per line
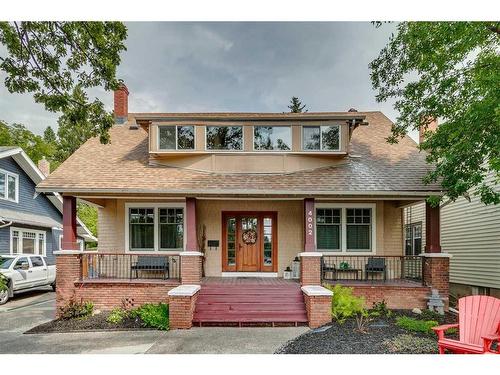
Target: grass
<point>415,325</point>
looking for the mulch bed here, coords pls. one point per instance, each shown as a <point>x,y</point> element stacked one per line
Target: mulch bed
<point>92,323</point>
<point>345,339</point>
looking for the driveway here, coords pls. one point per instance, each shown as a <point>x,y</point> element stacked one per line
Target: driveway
<point>25,312</point>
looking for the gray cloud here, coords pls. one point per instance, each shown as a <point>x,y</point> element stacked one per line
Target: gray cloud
<point>208,67</point>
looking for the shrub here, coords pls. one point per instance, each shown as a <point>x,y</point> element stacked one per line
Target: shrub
<point>116,316</point>
<point>74,309</point>
<point>415,325</point>
<point>410,344</point>
<point>430,315</point>
<point>154,316</point>
<point>380,309</point>
<point>344,304</point>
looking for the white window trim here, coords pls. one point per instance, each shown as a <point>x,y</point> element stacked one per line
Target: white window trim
<point>220,126</point>
<point>176,139</point>
<point>80,242</point>
<point>16,176</point>
<point>155,206</point>
<point>320,138</point>
<point>343,228</point>
<point>272,126</point>
<point>37,240</point>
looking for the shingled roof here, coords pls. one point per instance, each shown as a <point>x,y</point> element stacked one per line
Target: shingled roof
<point>373,167</point>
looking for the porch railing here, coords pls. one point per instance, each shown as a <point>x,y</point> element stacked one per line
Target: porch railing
<point>371,268</point>
<point>130,266</point>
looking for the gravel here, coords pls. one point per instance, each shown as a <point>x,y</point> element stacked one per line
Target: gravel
<point>345,339</point>
<point>91,323</point>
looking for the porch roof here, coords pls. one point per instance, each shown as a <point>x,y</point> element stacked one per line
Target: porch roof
<point>373,168</point>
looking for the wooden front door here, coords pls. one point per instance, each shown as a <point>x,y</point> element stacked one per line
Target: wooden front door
<point>249,242</point>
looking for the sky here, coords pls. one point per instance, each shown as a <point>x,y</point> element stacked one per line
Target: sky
<point>238,66</point>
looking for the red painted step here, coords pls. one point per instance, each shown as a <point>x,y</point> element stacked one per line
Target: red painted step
<point>250,303</point>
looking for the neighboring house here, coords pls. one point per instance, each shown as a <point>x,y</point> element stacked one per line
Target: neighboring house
<point>470,231</point>
<point>252,191</point>
<point>30,222</point>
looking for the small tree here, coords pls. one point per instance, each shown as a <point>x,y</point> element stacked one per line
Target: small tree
<point>296,105</point>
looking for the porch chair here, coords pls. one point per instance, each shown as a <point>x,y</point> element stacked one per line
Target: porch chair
<point>327,268</point>
<point>478,326</point>
<point>151,263</point>
<point>375,266</point>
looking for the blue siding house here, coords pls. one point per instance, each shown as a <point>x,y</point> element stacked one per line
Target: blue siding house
<point>30,222</point>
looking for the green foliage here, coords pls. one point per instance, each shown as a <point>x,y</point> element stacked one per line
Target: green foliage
<point>51,59</point>
<point>296,105</point>
<point>88,214</point>
<point>49,136</point>
<point>74,309</point>
<point>380,309</point>
<point>117,315</point>
<point>448,71</point>
<point>430,315</point>
<point>344,304</point>
<point>344,265</point>
<point>154,316</point>
<point>415,325</point>
<point>3,282</point>
<point>18,135</point>
<point>409,344</point>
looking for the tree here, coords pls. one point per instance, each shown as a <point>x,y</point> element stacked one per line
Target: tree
<point>296,105</point>
<point>49,59</point>
<point>49,135</point>
<point>88,214</point>
<point>448,71</point>
<point>32,144</point>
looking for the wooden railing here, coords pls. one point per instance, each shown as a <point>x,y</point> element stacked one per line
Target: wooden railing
<point>130,266</point>
<point>371,268</point>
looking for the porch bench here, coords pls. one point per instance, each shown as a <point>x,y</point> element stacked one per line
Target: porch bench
<point>151,263</point>
<point>375,265</point>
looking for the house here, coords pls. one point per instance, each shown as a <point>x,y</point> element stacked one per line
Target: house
<point>30,222</point>
<point>470,231</point>
<point>208,210</point>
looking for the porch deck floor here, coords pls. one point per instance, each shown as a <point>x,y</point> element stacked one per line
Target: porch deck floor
<point>247,281</point>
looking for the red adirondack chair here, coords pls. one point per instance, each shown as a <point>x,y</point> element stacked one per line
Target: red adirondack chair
<point>478,326</point>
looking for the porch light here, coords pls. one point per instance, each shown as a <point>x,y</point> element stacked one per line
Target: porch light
<point>296,268</point>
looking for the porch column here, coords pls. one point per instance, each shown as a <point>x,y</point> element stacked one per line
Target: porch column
<point>69,241</point>
<point>436,264</point>
<point>191,241</point>
<point>309,225</point>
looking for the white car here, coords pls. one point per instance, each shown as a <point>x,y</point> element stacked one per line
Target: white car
<point>25,271</point>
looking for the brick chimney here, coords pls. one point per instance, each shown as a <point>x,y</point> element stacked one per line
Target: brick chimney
<point>44,166</point>
<point>121,104</point>
<point>430,127</point>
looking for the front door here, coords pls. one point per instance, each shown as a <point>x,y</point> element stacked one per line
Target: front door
<point>249,242</point>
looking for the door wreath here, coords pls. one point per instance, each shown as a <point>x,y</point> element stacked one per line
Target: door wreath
<point>249,236</point>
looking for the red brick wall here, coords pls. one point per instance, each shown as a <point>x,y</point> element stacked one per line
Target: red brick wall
<point>319,310</point>
<point>68,272</point>
<point>310,270</point>
<point>396,297</point>
<point>181,311</point>
<point>436,275</point>
<point>108,295</point>
<point>191,269</point>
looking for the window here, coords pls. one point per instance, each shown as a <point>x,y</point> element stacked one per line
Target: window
<point>20,262</point>
<point>155,227</point>
<point>345,228</point>
<point>231,241</point>
<point>171,228</point>
<point>27,241</point>
<point>321,138</point>
<point>272,138</point>
<point>328,222</point>
<point>176,137</point>
<point>9,186</point>
<point>358,229</point>
<point>268,241</point>
<point>413,239</point>
<point>36,262</point>
<point>224,138</point>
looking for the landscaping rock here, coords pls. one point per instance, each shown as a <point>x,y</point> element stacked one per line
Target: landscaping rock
<point>417,311</point>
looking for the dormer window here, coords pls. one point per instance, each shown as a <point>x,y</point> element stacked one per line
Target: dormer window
<point>272,138</point>
<point>321,138</point>
<point>176,137</point>
<point>228,138</point>
<point>9,186</point>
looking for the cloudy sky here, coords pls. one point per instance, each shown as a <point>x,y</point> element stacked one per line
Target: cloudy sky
<point>247,67</point>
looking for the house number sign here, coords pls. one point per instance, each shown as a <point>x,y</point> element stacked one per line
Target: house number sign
<point>309,223</point>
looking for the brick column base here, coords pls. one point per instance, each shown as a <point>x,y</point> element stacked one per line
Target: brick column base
<point>69,271</point>
<point>310,268</point>
<point>436,274</point>
<point>318,305</point>
<point>191,267</point>
<point>182,302</point>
